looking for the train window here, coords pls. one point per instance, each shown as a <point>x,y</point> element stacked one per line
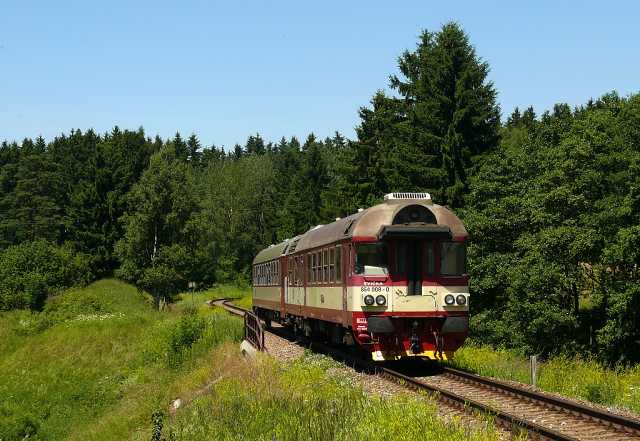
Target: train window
<point>429,259</point>
<point>453,256</point>
<point>312,258</point>
<point>338,264</point>
<point>401,257</point>
<point>371,259</point>
<point>316,277</point>
<point>318,267</point>
<point>272,272</point>
<point>332,264</point>
<point>325,265</point>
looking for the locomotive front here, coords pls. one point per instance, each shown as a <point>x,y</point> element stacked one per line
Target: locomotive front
<point>408,283</point>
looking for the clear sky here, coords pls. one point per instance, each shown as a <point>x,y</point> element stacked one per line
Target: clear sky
<point>224,70</point>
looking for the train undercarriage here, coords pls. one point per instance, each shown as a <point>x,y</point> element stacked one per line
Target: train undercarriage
<point>385,337</point>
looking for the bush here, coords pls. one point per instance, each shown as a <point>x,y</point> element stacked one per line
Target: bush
<point>176,342</point>
<point>183,335</point>
<point>32,271</point>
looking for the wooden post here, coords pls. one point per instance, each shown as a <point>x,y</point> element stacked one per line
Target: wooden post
<point>533,368</point>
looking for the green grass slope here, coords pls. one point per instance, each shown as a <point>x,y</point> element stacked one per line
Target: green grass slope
<point>97,362</point>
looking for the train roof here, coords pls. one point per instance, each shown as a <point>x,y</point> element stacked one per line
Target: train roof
<point>370,224</point>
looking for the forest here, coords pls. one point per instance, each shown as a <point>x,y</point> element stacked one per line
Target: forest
<point>551,201</point>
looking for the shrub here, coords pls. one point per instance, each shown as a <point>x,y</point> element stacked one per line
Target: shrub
<point>31,271</point>
<point>183,335</point>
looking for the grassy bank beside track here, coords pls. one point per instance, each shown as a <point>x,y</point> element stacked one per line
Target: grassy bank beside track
<point>98,361</point>
<point>307,400</point>
<point>572,377</point>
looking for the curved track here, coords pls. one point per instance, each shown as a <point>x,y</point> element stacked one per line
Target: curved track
<point>518,409</point>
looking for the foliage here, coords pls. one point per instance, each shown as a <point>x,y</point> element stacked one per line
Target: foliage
<point>553,214</point>
<point>31,271</point>
<point>155,250</point>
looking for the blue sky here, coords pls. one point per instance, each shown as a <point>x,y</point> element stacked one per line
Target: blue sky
<point>224,70</point>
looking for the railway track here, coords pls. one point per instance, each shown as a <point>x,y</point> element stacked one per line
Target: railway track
<point>515,408</point>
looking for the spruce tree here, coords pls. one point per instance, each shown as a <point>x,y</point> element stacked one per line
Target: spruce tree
<point>255,145</point>
<point>193,148</point>
<point>304,202</point>
<point>445,116</point>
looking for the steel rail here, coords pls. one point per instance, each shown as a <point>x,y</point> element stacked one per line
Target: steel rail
<point>504,419</point>
<point>608,418</point>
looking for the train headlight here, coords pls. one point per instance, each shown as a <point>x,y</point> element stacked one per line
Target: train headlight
<point>461,299</point>
<point>449,299</point>
<point>369,300</point>
<point>381,300</point>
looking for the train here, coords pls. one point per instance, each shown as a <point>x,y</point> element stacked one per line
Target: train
<point>390,280</point>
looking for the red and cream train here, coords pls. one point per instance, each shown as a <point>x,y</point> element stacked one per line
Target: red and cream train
<point>390,279</point>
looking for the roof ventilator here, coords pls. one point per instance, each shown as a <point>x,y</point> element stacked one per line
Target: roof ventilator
<point>393,196</point>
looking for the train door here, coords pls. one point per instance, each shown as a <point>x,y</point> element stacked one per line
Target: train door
<point>409,262</point>
<point>294,295</point>
<point>298,287</point>
<point>342,255</point>
<point>284,293</point>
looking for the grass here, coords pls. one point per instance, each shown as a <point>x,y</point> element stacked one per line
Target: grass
<point>574,377</point>
<point>302,401</point>
<point>97,362</point>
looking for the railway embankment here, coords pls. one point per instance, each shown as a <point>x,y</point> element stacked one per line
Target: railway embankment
<point>514,407</point>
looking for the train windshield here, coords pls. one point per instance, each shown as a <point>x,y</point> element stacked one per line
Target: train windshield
<point>453,259</point>
<point>371,259</point>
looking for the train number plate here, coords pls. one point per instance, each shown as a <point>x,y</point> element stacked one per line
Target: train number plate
<point>374,289</point>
